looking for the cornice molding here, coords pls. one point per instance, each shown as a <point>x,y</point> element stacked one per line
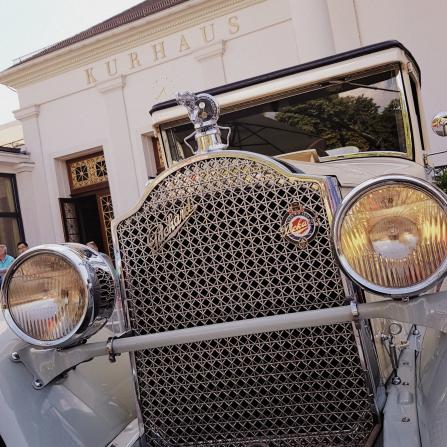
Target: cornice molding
<point>120,39</point>
<point>27,112</point>
<point>24,166</point>
<point>111,84</point>
<point>16,162</point>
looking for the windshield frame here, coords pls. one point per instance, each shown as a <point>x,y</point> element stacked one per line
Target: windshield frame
<point>406,112</point>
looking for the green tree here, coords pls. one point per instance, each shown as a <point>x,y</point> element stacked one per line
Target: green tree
<point>441,180</point>
<point>346,121</point>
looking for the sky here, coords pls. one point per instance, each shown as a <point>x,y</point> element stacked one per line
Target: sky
<point>29,25</point>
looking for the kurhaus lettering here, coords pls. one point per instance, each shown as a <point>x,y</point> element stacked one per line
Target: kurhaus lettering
<point>158,51</point>
<point>163,232</point>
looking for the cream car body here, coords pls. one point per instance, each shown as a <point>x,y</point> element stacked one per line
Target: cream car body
<point>79,398</point>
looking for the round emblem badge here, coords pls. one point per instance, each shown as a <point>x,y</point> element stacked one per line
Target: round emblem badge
<point>299,225</point>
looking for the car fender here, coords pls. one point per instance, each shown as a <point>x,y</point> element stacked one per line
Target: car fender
<point>88,407</point>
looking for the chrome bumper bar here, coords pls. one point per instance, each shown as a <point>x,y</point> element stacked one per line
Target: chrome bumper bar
<point>45,365</point>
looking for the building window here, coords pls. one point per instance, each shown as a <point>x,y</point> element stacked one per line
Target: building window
<point>11,227</point>
<point>158,156</point>
<point>87,172</point>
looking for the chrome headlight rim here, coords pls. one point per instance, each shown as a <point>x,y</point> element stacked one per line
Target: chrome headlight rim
<point>76,256</point>
<point>351,198</point>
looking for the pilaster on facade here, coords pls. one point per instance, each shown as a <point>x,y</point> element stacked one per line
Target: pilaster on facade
<point>312,27</point>
<point>344,24</point>
<point>211,60</point>
<point>38,206</point>
<point>111,85</point>
<point>27,113</point>
<point>119,153</point>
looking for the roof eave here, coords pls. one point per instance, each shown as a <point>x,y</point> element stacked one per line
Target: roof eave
<point>16,75</point>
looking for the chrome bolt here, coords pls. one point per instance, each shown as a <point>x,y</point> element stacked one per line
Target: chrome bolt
<point>406,419</point>
<point>37,384</point>
<point>15,357</point>
<point>416,332</point>
<point>406,383</point>
<point>396,380</point>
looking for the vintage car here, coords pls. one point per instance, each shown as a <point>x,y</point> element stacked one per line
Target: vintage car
<point>278,284</point>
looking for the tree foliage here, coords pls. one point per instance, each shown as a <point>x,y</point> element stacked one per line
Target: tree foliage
<point>346,121</point>
<point>441,181</point>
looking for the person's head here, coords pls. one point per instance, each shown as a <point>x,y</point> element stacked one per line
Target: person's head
<point>22,246</point>
<point>92,245</point>
<point>3,251</point>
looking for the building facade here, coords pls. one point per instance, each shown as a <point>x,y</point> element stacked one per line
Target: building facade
<point>16,169</point>
<point>84,103</point>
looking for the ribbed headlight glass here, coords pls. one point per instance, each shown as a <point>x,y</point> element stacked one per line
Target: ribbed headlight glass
<point>393,238</point>
<point>47,298</point>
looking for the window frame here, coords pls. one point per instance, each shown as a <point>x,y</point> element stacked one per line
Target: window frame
<point>17,214</point>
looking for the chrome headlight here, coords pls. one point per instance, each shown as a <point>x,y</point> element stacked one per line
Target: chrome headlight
<point>58,295</point>
<point>390,235</point>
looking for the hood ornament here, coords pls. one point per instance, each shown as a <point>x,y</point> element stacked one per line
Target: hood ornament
<point>203,111</point>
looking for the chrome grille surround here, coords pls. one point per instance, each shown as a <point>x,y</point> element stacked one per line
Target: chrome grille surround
<point>223,259</point>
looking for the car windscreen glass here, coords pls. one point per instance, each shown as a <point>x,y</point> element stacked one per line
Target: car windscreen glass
<point>340,117</point>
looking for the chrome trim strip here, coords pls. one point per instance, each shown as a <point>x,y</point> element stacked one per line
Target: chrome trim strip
<point>124,315</point>
<point>368,154</point>
<point>407,123</point>
<point>368,357</point>
<point>346,205</point>
<point>279,167</point>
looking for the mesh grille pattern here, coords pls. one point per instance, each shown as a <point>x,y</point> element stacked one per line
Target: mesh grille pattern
<point>302,385</point>
<point>226,259</point>
<point>106,289</point>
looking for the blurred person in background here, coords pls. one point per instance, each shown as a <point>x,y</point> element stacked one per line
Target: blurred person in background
<point>92,245</point>
<point>5,260</point>
<point>22,246</point>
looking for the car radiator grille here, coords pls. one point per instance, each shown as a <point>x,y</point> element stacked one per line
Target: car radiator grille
<point>207,246</point>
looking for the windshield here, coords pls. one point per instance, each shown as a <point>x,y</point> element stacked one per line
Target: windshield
<point>339,117</point>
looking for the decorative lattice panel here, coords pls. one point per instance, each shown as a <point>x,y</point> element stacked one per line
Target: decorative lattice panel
<point>88,171</point>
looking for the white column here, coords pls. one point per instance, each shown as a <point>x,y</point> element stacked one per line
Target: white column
<point>36,210</point>
<point>312,27</point>
<point>210,58</point>
<point>28,202</point>
<point>119,156</point>
<point>345,27</point>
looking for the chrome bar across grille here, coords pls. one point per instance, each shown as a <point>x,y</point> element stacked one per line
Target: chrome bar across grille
<point>231,236</point>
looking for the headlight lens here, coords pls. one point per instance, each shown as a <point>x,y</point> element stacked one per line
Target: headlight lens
<point>391,235</point>
<point>58,295</point>
<point>47,297</point>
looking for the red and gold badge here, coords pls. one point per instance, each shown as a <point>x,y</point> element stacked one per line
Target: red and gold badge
<point>299,225</point>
